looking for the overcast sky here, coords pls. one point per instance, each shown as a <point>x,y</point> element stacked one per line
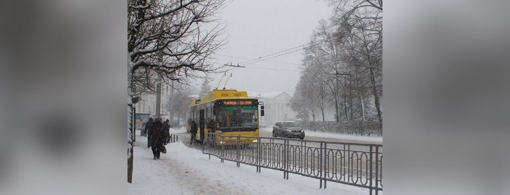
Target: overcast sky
<point>258,28</point>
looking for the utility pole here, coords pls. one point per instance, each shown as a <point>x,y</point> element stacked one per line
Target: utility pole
<point>158,85</point>
<point>132,129</point>
<point>171,103</point>
<point>158,99</point>
<point>130,151</point>
<point>336,99</point>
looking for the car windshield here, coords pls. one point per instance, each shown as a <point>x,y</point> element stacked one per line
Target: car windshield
<point>290,124</point>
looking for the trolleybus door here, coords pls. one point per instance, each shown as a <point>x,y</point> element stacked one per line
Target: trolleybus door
<point>201,125</point>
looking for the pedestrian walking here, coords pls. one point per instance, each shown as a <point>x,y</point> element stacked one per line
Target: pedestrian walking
<point>188,128</point>
<point>166,131</point>
<point>193,131</point>
<point>148,129</point>
<point>157,138</point>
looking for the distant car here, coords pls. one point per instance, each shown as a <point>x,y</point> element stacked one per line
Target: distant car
<point>288,129</point>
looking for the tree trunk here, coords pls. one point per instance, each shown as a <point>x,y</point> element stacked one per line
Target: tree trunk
<point>336,98</point>
<point>322,111</point>
<point>313,116</point>
<point>350,96</point>
<point>130,163</point>
<point>334,91</point>
<point>360,96</point>
<point>337,116</point>
<point>362,104</point>
<point>376,96</point>
<point>345,104</point>
<point>178,118</point>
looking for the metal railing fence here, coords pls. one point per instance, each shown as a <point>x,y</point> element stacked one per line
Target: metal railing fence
<point>173,138</point>
<point>347,163</point>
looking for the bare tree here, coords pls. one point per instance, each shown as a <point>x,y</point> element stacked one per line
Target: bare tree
<point>205,88</point>
<point>345,56</point>
<point>312,83</point>
<point>168,39</point>
<point>359,28</point>
<point>302,104</point>
<point>345,8</point>
<point>323,53</point>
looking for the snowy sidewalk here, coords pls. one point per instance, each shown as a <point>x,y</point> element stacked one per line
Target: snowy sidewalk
<point>185,170</point>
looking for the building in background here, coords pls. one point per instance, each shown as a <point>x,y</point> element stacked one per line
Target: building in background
<point>276,108</point>
<point>147,103</point>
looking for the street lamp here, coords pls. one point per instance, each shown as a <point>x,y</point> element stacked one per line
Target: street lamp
<point>134,100</point>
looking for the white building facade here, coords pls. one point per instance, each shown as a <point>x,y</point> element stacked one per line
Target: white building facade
<point>277,108</point>
<point>147,103</point>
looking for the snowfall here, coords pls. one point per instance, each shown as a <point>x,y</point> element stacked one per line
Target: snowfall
<point>185,170</point>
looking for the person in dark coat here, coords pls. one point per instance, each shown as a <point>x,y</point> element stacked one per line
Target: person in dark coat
<point>157,138</point>
<point>189,125</point>
<point>148,127</point>
<point>166,131</point>
<point>193,131</point>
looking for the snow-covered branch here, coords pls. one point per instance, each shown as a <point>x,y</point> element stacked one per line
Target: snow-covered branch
<point>166,39</point>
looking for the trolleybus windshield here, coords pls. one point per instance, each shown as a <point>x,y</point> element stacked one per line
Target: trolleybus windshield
<point>237,116</point>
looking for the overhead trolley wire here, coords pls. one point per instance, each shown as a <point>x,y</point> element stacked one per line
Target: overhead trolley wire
<point>238,57</point>
<point>288,70</point>
<point>267,57</point>
<point>253,62</point>
<point>276,54</point>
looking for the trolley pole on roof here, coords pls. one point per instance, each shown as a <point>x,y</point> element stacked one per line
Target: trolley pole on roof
<point>236,66</point>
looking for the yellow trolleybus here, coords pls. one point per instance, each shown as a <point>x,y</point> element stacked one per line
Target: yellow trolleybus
<point>227,112</point>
